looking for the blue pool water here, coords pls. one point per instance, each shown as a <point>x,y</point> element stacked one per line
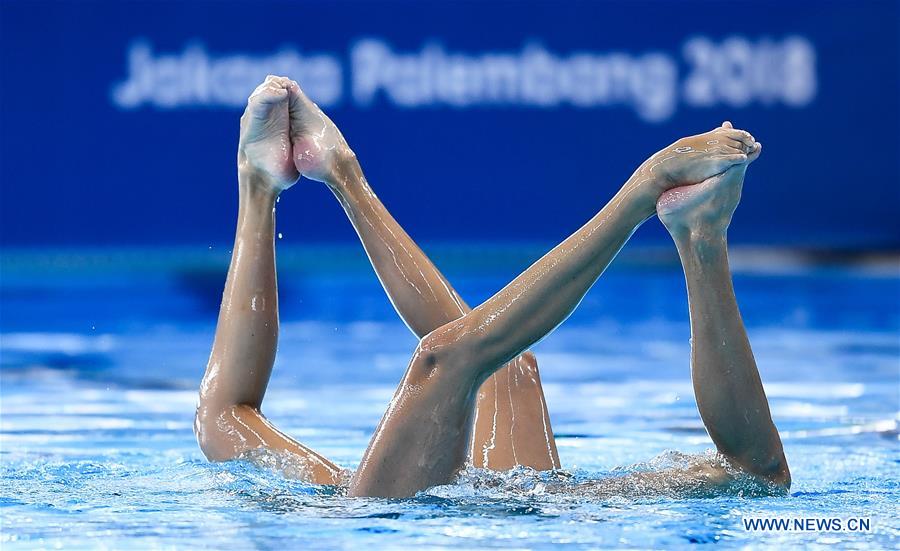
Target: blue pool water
<point>101,354</point>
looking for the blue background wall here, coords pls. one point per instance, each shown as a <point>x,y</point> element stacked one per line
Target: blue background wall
<point>87,160</point>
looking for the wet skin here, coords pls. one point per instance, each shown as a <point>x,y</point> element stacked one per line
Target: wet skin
<point>427,433</point>
<point>228,421</point>
<point>423,297</point>
<point>515,425</point>
<point>726,381</point>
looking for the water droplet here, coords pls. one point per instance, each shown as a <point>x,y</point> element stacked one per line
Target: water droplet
<point>280,235</point>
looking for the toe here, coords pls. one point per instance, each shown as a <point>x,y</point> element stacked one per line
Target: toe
<point>277,81</point>
<point>734,144</point>
<point>727,149</point>
<point>273,94</point>
<point>739,135</point>
<point>754,154</point>
<point>725,161</point>
<point>267,88</point>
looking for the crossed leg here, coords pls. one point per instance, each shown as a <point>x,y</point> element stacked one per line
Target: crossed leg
<point>423,437</point>
<point>421,440</point>
<point>512,425</point>
<point>229,421</point>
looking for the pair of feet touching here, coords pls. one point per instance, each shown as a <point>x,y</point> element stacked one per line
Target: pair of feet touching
<point>436,421</point>
<point>283,129</point>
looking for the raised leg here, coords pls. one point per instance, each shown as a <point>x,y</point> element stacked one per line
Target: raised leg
<point>512,424</point>
<point>228,421</point>
<point>727,385</point>
<point>422,438</point>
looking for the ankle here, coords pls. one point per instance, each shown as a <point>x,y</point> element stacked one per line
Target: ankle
<point>347,176</point>
<point>699,233</point>
<point>255,187</point>
<point>703,242</point>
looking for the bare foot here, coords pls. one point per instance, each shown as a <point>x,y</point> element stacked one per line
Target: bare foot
<point>688,161</point>
<point>318,146</point>
<point>265,143</point>
<point>706,207</point>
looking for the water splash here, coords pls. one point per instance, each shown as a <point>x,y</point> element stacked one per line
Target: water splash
<point>671,474</point>
<point>289,465</point>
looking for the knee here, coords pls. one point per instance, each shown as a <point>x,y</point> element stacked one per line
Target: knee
<point>210,417</point>
<point>446,349</point>
<point>211,433</point>
<point>204,429</point>
<point>427,357</point>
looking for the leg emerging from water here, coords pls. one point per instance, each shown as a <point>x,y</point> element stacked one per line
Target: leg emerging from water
<point>423,438</point>
<point>512,424</point>
<point>229,421</point>
<point>727,385</point>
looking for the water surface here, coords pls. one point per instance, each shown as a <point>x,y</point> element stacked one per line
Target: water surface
<point>100,366</point>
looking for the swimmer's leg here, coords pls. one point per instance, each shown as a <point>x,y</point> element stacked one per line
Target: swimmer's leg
<point>422,438</point>
<point>512,425</point>
<point>727,385</point>
<point>228,420</point>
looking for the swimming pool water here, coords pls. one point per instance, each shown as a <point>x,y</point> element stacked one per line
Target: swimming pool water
<point>99,367</point>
